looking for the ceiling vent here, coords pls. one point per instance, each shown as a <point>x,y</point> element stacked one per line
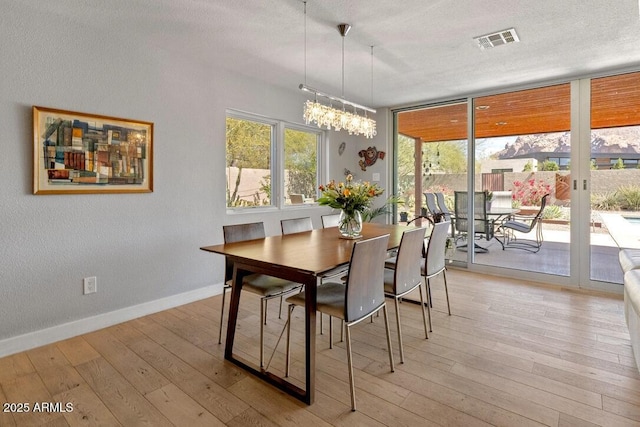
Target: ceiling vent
<point>496,39</point>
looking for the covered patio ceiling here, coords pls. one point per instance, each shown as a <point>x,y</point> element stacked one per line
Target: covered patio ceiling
<point>615,102</point>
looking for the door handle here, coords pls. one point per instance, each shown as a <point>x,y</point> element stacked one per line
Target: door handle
<point>584,184</point>
<point>575,184</point>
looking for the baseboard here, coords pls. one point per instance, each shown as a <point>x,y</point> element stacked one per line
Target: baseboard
<point>89,324</point>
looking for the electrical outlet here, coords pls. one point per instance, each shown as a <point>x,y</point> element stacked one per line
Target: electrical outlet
<point>90,285</point>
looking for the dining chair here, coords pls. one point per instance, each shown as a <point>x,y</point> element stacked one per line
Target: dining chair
<point>330,220</point>
<point>353,301</point>
<point>266,287</point>
<point>434,261</point>
<point>406,276</point>
<point>296,225</point>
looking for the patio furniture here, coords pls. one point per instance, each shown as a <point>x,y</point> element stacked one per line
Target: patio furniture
<point>523,224</point>
<point>483,224</point>
<point>443,206</point>
<point>296,199</point>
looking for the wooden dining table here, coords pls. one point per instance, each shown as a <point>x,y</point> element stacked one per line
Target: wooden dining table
<point>302,258</point>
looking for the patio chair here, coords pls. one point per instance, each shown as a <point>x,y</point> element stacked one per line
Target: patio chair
<point>432,205</point>
<point>483,225</point>
<point>443,207</point>
<point>523,224</point>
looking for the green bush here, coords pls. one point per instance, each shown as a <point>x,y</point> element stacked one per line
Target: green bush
<point>605,201</point>
<point>552,212</point>
<point>629,197</point>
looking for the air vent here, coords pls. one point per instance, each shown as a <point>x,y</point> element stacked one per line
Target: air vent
<point>496,39</point>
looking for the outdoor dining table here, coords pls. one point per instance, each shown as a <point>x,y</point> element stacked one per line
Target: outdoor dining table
<point>302,258</point>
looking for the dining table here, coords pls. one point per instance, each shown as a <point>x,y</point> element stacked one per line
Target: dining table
<point>304,258</point>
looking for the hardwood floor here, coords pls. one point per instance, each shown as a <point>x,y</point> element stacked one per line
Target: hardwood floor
<point>512,354</point>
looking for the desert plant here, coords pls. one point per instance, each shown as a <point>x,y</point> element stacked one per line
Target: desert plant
<point>629,197</point>
<point>619,164</point>
<point>552,212</point>
<point>605,201</point>
<point>548,165</point>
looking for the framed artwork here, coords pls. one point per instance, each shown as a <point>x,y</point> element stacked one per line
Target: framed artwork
<point>86,153</point>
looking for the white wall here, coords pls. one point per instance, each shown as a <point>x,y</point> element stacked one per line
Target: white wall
<point>143,248</point>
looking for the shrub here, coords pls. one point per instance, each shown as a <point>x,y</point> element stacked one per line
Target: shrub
<point>552,212</point>
<point>605,201</point>
<point>529,192</point>
<point>629,197</point>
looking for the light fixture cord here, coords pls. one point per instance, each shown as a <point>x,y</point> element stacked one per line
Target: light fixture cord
<point>343,66</point>
<point>371,77</point>
<point>305,43</point>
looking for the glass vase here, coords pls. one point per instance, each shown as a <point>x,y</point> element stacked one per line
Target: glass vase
<point>350,224</point>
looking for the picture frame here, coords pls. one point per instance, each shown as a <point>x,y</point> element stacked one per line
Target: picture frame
<point>80,153</point>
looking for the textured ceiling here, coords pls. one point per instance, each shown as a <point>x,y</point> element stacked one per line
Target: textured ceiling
<point>424,49</point>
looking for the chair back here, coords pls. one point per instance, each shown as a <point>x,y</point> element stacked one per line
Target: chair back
<point>240,233</point>
<point>443,206</point>
<point>543,204</point>
<point>482,225</point>
<point>365,282</point>
<point>296,199</point>
<point>331,220</point>
<point>432,205</point>
<point>436,248</point>
<point>296,225</point>
<point>408,261</point>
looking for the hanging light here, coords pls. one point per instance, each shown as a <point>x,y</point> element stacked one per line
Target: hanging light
<point>328,116</point>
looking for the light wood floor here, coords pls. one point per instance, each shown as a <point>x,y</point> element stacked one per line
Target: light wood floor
<point>512,354</point>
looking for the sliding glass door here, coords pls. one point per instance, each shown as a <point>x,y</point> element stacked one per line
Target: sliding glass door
<point>522,153</point>
<point>576,142</point>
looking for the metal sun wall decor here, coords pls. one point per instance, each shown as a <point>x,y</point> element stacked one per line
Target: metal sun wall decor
<point>369,157</point>
<point>82,153</point>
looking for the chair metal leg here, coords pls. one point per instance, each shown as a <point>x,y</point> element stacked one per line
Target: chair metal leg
<point>424,315</point>
<point>279,311</point>
<point>429,305</point>
<point>342,331</point>
<point>446,291</point>
<point>264,319</point>
<point>288,354</point>
<point>386,324</point>
<point>395,300</point>
<point>350,366</point>
<point>330,331</point>
<point>321,325</point>
<point>224,292</point>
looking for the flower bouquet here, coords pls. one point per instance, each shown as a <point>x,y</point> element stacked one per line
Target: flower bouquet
<point>352,198</point>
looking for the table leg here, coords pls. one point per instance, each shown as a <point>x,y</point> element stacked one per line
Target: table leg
<point>234,304</point>
<point>310,337</point>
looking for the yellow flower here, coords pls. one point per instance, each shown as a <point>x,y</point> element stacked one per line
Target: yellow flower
<point>346,192</point>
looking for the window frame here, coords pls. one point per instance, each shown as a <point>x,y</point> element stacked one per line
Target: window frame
<point>277,163</point>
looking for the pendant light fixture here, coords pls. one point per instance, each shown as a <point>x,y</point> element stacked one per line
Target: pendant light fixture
<point>327,115</point>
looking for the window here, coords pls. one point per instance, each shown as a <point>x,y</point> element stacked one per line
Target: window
<point>300,165</point>
<point>270,163</point>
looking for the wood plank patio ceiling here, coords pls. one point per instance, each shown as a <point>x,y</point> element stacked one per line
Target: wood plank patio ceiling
<point>615,102</point>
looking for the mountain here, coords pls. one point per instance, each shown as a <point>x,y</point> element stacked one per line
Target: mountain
<point>603,141</point>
